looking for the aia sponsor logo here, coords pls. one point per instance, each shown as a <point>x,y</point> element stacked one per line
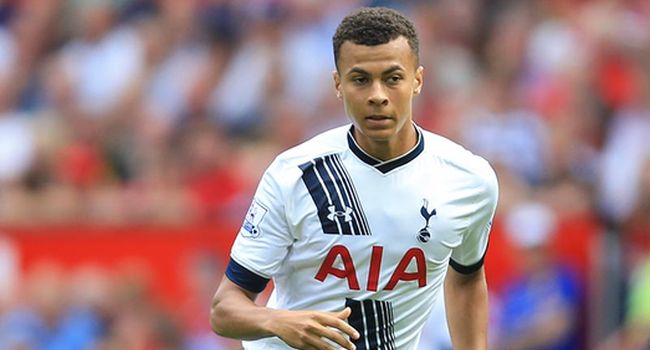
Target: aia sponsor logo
<point>349,271</point>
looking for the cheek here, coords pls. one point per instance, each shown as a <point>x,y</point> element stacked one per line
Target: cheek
<point>351,109</point>
<point>403,98</point>
<point>352,102</point>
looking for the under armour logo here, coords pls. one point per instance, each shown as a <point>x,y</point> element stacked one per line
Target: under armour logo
<point>339,213</point>
<point>424,235</point>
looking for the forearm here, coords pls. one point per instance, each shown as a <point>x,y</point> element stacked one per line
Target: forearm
<point>235,314</point>
<point>466,302</point>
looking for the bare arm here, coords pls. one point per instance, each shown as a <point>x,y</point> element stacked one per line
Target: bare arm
<point>466,302</point>
<point>235,315</point>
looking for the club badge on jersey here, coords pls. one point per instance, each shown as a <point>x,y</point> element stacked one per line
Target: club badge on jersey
<point>424,235</point>
<point>254,217</point>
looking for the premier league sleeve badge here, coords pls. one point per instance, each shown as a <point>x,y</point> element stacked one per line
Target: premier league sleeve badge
<point>254,217</point>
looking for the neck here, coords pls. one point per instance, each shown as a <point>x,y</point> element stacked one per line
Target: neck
<point>392,148</point>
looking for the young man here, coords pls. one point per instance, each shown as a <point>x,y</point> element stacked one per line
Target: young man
<point>357,227</point>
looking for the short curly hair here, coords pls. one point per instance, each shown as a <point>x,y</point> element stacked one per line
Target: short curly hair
<point>374,26</point>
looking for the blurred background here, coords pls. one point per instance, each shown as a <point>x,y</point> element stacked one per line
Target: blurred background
<point>133,134</point>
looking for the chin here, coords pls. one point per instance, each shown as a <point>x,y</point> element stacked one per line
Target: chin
<point>379,134</point>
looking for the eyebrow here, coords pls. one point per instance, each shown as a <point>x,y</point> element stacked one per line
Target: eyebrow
<point>389,70</point>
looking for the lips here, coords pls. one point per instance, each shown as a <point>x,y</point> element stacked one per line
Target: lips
<point>378,121</point>
<point>377,117</point>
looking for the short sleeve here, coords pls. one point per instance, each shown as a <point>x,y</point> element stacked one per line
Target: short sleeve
<point>264,237</point>
<point>469,256</point>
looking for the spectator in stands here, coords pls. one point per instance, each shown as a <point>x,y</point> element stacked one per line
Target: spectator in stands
<point>626,150</point>
<point>133,111</point>
<point>540,307</point>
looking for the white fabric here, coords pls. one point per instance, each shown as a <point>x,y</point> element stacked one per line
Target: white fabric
<point>283,237</point>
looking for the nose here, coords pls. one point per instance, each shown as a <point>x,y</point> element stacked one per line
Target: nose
<point>377,95</point>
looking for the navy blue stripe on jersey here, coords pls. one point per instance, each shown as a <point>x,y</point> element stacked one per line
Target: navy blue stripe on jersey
<point>360,221</point>
<point>341,212</point>
<point>391,327</point>
<point>381,331</point>
<point>334,195</point>
<point>347,181</point>
<point>245,278</point>
<point>388,332</point>
<point>320,197</point>
<point>466,270</point>
<point>386,166</point>
<point>373,319</point>
<point>338,186</point>
<point>370,323</point>
<point>356,321</point>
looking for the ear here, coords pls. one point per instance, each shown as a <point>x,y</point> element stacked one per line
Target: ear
<point>337,84</point>
<point>419,80</point>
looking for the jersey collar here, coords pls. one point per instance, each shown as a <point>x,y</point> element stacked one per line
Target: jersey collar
<point>385,166</point>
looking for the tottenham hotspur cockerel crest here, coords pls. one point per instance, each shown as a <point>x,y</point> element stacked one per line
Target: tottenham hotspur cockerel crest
<point>424,235</point>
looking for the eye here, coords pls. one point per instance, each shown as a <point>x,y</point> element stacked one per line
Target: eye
<point>360,80</point>
<point>395,79</point>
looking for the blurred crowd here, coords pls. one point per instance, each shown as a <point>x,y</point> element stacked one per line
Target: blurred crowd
<point>94,307</point>
<point>167,112</point>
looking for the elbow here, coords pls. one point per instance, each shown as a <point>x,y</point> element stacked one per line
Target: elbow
<point>230,311</point>
<point>217,319</point>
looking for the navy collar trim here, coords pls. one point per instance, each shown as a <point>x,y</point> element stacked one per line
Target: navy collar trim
<point>385,166</point>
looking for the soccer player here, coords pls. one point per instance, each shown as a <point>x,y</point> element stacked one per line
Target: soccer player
<point>357,227</point>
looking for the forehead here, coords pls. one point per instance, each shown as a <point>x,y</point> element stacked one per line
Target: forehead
<point>369,58</point>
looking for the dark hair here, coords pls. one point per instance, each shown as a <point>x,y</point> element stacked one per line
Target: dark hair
<point>374,26</point>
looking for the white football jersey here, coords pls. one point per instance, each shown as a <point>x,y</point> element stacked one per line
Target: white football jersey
<point>336,227</point>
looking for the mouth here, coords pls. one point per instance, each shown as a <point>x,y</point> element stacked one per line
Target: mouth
<point>378,121</point>
<point>377,117</point>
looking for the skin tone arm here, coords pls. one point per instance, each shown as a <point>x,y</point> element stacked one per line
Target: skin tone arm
<point>235,315</point>
<point>466,302</point>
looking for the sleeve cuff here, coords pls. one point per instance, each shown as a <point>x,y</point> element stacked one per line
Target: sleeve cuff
<point>467,269</point>
<point>245,278</point>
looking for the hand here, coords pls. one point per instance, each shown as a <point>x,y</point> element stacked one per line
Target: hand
<point>307,330</point>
